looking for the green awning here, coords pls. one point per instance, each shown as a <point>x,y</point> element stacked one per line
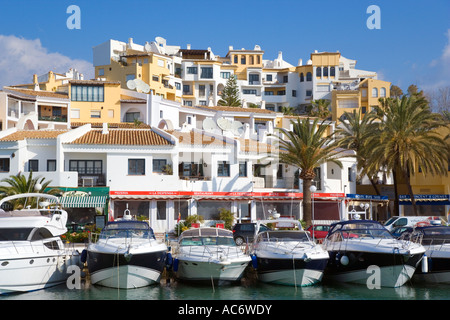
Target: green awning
<point>83,202</point>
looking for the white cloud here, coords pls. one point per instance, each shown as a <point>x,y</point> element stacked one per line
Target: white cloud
<point>21,58</point>
<point>438,70</point>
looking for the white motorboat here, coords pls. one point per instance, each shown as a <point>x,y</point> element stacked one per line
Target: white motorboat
<point>435,266</point>
<point>365,252</point>
<point>32,255</point>
<point>288,257</point>
<point>126,255</point>
<point>209,254</point>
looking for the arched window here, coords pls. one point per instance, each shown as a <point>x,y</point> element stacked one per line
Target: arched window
<point>325,71</point>
<point>383,92</point>
<point>302,77</point>
<point>318,71</point>
<point>332,72</point>
<point>309,76</point>
<point>374,92</point>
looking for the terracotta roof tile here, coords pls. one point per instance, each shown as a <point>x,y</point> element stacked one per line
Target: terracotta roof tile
<point>197,138</point>
<point>121,125</point>
<point>252,146</point>
<point>123,137</point>
<point>125,98</point>
<point>33,134</point>
<point>34,93</point>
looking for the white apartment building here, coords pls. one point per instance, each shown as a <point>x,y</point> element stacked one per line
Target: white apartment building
<point>33,109</point>
<point>160,173</point>
<point>199,76</point>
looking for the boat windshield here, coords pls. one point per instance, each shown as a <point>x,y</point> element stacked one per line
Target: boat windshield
<point>359,230</point>
<point>128,229</point>
<point>283,236</point>
<point>14,234</point>
<point>207,241</point>
<point>433,235</point>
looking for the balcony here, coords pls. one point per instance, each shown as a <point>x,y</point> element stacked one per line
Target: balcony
<point>275,99</point>
<point>91,180</point>
<point>53,118</point>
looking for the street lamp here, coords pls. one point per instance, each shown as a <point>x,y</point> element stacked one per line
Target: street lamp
<point>364,206</point>
<point>312,189</point>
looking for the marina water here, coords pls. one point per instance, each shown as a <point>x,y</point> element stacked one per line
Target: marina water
<point>247,291</point>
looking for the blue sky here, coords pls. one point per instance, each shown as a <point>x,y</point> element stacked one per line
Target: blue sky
<point>412,46</point>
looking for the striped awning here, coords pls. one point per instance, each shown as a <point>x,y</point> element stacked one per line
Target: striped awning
<point>83,202</point>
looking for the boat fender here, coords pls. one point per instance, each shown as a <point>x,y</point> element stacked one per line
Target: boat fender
<point>83,256</point>
<point>424,263</point>
<point>254,262</point>
<point>175,265</point>
<point>344,260</point>
<point>169,260</point>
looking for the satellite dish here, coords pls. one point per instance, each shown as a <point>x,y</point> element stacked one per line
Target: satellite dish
<point>224,124</point>
<point>139,84</point>
<point>145,88</point>
<point>209,125</point>
<point>237,128</point>
<point>131,84</point>
<point>147,47</point>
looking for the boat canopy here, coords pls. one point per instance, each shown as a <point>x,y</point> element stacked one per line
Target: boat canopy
<point>127,225</point>
<point>359,228</point>
<point>283,235</point>
<point>432,235</point>
<point>207,231</point>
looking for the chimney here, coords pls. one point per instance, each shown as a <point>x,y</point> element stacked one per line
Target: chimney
<point>188,46</point>
<point>280,55</point>
<point>105,128</point>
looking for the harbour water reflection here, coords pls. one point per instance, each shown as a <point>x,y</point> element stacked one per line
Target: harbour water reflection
<point>245,292</point>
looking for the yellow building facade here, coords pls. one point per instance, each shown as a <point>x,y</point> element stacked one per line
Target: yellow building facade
<point>151,68</point>
<point>94,101</point>
<point>242,60</point>
<point>364,97</point>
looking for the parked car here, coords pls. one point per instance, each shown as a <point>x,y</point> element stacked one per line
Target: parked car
<point>411,221</point>
<point>319,231</point>
<point>245,232</point>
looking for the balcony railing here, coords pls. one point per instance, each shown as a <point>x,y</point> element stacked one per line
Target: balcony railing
<point>91,180</point>
<point>53,118</point>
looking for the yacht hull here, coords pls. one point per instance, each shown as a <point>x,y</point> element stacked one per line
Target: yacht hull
<point>372,268</point>
<point>291,272</point>
<point>437,270</point>
<point>35,272</point>
<point>126,272</point>
<point>207,271</point>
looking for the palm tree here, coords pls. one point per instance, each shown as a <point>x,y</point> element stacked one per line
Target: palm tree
<point>18,184</point>
<point>408,136</point>
<point>359,133</point>
<point>288,111</point>
<point>320,108</point>
<point>306,147</point>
